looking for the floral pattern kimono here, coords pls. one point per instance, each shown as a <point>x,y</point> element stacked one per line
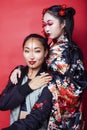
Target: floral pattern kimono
<point>67,67</point>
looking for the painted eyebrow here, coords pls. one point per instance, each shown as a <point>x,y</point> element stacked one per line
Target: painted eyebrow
<point>48,21</point>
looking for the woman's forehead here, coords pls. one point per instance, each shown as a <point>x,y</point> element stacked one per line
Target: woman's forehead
<point>49,17</point>
<point>33,42</point>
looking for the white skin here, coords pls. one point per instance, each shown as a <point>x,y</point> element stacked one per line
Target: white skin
<point>53,28</point>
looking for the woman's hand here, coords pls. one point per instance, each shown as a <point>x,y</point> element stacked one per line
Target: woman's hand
<point>40,81</point>
<point>15,75</point>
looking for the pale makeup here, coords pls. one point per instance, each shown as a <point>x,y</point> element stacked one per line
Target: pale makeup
<point>52,26</point>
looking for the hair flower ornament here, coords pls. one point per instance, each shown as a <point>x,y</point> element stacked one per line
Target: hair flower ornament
<point>61,12</point>
<point>63,6</point>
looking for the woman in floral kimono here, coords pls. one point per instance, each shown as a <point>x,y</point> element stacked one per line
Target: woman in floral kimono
<point>66,63</point>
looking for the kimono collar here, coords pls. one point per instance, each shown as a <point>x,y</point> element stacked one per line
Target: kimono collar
<point>60,40</point>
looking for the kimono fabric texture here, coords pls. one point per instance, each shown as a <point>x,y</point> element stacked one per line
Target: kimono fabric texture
<point>71,79</point>
<point>66,66</point>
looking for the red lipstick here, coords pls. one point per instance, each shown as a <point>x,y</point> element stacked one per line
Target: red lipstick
<point>32,62</point>
<point>48,34</point>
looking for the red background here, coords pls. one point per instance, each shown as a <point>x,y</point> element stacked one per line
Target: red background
<point>19,18</point>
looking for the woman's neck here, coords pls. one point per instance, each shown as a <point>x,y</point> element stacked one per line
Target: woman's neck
<point>32,73</point>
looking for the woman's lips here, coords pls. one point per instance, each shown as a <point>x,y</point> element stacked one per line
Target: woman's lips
<point>32,62</point>
<point>48,34</point>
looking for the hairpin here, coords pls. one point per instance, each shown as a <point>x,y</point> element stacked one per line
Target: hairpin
<point>61,12</point>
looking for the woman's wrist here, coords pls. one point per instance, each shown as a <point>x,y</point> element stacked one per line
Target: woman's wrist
<point>25,89</point>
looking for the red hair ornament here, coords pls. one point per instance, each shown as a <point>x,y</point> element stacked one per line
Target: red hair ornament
<point>62,11</point>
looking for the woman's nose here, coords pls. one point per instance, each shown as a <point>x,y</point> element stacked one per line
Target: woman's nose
<point>31,56</point>
<point>47,29</point>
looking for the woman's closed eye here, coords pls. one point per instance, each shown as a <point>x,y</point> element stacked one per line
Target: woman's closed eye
<point>49,23</point>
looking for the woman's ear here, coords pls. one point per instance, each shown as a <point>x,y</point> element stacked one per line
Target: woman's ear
<point>46,53</point>
<point>64,24</point>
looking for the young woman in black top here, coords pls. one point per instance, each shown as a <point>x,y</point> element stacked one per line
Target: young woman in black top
<point>30,106</point>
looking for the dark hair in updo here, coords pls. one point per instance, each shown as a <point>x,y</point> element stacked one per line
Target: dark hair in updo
<point>67,16</point>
